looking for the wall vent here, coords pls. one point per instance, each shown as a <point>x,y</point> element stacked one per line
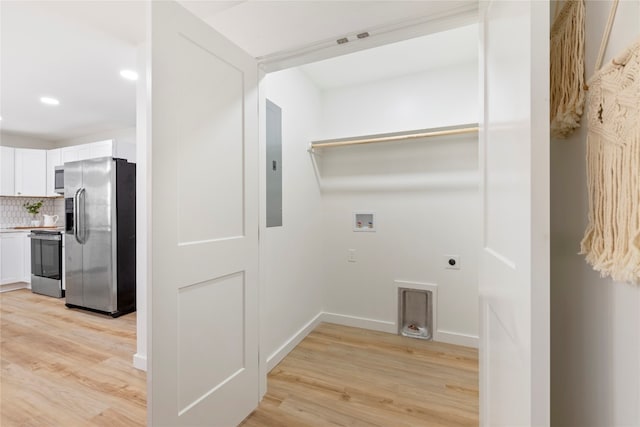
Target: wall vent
<point>415,313</point>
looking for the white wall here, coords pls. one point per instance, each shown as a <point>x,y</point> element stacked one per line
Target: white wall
<point>595,337</point>
<point>10,139</point>
<point>292,254</point>
<point>424,193</point>
<point>435,98</point>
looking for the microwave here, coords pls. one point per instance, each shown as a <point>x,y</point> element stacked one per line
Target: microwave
<point>58,179</point>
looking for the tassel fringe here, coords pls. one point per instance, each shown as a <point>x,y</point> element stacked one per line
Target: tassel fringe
<point>612,239</point>
<point>567,68</point>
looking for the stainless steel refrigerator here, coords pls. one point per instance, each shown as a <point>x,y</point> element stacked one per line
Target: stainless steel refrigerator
<point>100,235</point>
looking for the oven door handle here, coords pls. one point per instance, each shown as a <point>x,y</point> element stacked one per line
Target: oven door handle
<point>44,237</point>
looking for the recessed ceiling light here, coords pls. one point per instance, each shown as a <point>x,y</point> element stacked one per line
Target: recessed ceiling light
<point>49,101</point>
<point>129,75</point>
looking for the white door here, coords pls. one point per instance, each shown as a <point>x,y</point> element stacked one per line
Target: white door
<point>204,284</point>
<point>514,266</point>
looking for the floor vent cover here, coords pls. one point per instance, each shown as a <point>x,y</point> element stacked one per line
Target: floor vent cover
<point>415,313</point>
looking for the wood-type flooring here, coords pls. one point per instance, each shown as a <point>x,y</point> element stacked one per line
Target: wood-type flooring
<point>62,367</point>
<point>342,376</point>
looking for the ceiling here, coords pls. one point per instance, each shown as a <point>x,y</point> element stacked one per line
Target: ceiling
<point>446,48</point>
<point>74,50</point>
<point>263,28</point>
<point>49,52</point>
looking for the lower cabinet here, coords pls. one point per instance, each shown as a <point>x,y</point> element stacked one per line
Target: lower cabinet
<point>26,251</point>
<point>15,258</point>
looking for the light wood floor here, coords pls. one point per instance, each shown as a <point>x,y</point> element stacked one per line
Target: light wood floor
<point>341,376</point>
<point>62,367</point>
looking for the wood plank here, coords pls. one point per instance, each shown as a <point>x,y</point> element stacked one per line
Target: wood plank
<point>342,376</point>
<point>67,367</point>
<point>73,368</point>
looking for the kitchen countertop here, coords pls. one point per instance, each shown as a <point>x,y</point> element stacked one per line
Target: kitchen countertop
<point>27,230</point>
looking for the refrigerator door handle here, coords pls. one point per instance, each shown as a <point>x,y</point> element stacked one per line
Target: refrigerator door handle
<point>74,228</point>
<point>78,223</point>
<point>82,232</point>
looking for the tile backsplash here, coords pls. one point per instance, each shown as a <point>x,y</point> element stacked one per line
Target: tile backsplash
<point>14,214</point>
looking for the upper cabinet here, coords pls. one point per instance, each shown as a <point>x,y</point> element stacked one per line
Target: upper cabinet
<point>30,172</point>
<point>69,154</point>
<point>54,158</point>
<point>7,171</point>
<point>101,149</point>
<point>94,150</point>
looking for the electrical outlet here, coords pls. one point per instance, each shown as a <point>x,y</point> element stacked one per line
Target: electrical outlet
<point>452,262</point>
<point>352,255</point>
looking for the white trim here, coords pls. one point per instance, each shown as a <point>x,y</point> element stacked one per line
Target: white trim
<point>277,356</point>
<point>13,286</point>
<point>262,227</point>
<point>360,322</point>
<point>456,338</point>
<point>381,35</point>
<point>140,361</point>
<point>143,211</point>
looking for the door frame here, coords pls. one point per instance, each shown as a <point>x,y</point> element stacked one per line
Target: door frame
<point>539,247</point>
<point>275,62</point>
<point>400,31</point>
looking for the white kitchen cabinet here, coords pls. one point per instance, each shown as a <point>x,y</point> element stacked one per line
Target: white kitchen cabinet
<point>7,171</point>
<point>69,154</point>
<point>94,150</point>
<point>54,158</point>
<point>85,152</point>
<point>30,172</point>
<point>102,149</point>
<point>12,258</point>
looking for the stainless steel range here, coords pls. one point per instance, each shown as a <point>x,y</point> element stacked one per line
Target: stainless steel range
<point>46,262</point>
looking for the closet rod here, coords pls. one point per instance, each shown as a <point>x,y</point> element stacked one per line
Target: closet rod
<point>394,138</point>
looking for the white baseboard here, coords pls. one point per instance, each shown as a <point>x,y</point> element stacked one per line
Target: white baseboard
<point>456,338</point>
<point>359,322</point>
<point>14,286</point>
<point>140,362</point>
<point>390,327</point>
<point>292,342</point>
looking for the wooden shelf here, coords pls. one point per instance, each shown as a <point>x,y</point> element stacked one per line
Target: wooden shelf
<point>396,137</point>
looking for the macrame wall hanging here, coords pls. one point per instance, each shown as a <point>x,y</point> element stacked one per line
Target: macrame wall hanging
<point>612,238</point>
<point>567,67</point>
